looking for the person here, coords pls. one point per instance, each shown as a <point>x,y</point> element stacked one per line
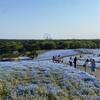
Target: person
<point>99,55</point>
<point>70,61</point>
<point>75,62</point>
<point>53,58</point>
<point>85,64</point>
<point>93,66</point>
<point>90,59</point>
<point>59,58</point>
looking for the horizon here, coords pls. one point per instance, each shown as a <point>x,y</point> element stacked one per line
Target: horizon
<point>55,19</point>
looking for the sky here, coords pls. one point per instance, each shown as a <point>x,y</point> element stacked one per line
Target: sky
<point>57,19</point>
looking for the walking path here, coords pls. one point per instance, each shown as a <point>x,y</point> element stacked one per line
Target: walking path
<point>88,70</point>
<point>97,72</point>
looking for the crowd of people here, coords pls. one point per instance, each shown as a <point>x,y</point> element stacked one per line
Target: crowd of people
<point>73,62</point>
<point>57,59</point>
<point>92,63</point>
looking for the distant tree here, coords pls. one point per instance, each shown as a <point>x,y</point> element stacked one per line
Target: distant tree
<point>48,45</point>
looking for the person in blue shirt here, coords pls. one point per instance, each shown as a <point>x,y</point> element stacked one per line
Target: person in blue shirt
<point>93,66</point>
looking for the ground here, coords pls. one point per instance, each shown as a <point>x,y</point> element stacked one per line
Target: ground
<point>42,79</point>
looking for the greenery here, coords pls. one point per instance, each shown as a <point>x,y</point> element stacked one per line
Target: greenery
<point>15,48</point>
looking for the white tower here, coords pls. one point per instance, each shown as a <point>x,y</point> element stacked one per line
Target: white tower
<point>47,36</point>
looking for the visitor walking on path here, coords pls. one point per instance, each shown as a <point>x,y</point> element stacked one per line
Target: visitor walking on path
<point>70,61</point>
<point>75,62</point>
<point>53,58</point>
<point>85,64</point>
<point>93,66</point>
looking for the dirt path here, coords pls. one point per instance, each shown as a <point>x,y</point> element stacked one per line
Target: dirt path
<point>96,73</point>
<point>88,70</point>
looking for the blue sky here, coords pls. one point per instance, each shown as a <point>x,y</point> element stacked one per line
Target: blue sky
<point>62,19</point>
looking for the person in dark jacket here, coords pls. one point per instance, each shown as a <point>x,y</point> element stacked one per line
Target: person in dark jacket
<point>53,58</point>
<point>75,62</point>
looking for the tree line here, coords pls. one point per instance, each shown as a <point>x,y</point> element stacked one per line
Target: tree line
<point>30,47</point>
